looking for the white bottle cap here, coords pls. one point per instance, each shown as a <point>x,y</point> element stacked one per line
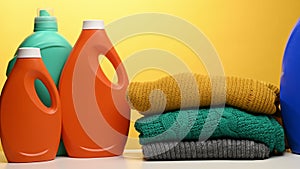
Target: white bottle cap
<point>29,53</point>
<point>93,24</point>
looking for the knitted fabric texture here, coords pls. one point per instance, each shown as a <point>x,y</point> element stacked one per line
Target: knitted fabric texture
<point>184,91</point>
<point>219,123</point>
<point>210,149</point>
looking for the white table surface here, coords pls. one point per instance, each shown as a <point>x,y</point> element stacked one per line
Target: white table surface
<point>132,159</point>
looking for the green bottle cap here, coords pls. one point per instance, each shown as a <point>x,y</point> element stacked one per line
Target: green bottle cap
<point>45,22</point>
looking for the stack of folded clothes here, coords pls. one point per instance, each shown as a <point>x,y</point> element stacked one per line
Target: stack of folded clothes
<point>193,116</point>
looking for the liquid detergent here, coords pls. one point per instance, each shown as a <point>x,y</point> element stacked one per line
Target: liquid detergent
<point>290,91</point>
<point>30,131</point>
<point>55,51</point>
<point>95,112</point>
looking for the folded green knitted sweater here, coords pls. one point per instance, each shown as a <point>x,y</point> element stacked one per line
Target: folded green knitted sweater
<point>216,123</point>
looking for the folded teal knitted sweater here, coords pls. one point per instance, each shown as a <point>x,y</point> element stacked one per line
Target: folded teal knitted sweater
<point>221,123</point>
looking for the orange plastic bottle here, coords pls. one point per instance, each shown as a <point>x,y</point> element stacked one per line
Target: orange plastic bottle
<point>30,131</point>
<point>95,113</point>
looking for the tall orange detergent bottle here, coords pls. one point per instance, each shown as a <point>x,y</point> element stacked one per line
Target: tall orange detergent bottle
<point>94,110</point>
<point>30,131</point>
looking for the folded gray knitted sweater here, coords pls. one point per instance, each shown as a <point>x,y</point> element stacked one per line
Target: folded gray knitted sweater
<point>209,149</point>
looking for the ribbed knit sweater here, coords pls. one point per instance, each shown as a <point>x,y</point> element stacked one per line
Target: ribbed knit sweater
<point>187,90</point>
<point>210,149</point>
<point>228,123</point>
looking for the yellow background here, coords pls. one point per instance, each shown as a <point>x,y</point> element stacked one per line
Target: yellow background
<point>249,36</point>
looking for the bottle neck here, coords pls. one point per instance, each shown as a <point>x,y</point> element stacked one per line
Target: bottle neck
<point>45,27</point>
<point>45,23</point>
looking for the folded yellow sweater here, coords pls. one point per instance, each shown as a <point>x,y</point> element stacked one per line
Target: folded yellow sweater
<point>187,90</point>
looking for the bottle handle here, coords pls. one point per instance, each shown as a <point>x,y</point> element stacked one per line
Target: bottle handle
<point>113,57</point>
<point>52,90</point>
